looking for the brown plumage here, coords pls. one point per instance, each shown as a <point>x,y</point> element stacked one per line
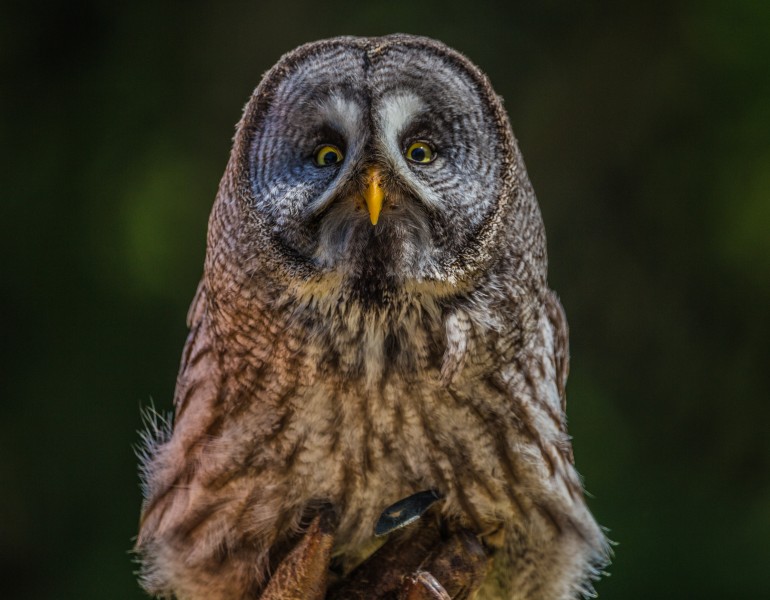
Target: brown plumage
<point>334,365</point>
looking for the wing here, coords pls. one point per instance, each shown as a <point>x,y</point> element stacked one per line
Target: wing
<point>560,336</point>
<point>198,363</point>
<point>169,463</point>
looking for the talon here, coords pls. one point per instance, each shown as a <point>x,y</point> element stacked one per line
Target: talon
<point>405,511</point>
<point>460,564</point>
<point>423,586</point>
<point>382,574</point>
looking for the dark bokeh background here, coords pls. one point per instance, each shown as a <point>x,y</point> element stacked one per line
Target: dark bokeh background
<point>646,130</point>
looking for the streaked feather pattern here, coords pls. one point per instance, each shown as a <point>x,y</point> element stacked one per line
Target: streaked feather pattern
<point>332,363</point>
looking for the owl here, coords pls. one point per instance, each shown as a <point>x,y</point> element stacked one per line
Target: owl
<point>373,325</point>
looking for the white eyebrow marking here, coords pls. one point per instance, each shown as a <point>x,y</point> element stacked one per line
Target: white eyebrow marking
<point>396,112</point>
<point>394,115</point>
<point>347,116</point>
<point>343,113</point>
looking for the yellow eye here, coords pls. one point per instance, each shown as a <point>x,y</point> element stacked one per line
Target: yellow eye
<point>328,155</point>
<point>420,152</point>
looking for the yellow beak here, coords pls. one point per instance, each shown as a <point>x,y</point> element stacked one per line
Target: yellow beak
<point>373,193</point>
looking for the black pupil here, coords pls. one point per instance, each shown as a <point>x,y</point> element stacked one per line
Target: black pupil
<point>418,154</point>
<point>330,157</point>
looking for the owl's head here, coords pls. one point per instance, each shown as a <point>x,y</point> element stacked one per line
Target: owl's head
<point>382,163</point>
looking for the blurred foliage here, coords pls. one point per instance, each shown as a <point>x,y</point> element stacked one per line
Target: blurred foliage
<point>646,129</point>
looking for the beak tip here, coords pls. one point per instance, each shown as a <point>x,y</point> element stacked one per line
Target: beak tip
<point>374,194</point>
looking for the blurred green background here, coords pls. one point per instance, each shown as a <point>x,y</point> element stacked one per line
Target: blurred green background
<point>646,130</point>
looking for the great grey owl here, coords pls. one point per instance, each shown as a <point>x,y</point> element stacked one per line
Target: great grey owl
<point>373,322</point>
